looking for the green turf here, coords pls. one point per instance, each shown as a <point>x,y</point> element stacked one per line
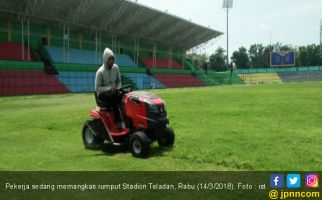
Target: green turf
<point>258,127</point>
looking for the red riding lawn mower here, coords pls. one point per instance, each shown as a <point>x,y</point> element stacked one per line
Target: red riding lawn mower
<point>144,120</point>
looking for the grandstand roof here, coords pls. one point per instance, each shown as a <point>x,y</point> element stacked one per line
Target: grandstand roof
<point>115,17</point>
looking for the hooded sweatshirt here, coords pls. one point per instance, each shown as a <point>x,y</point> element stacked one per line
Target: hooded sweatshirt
<point>106,79</point>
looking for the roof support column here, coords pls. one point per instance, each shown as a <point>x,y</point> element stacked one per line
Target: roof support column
<point>114,43</point>
<point>98,47</point>
<point>80,39</point>
<point>183,58</point>
<point>66,43</point>
<point>155,55</point>
<point>9,31</point>
<point>136,51</point>
<point>48,34</point>
<point>22,41</point>
<point>25,32</point>
<point>170,58</point>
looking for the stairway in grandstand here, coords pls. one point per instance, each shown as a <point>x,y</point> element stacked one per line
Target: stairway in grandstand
<point>44,56</point>
<point>127,81</point>
<point>15,51</point>
<point>213,78</point>
<point>144,81</point>
<point>55,75</point>
<point>190,66</point>
<point>70,57</point>
<point>79,73</point>
<point>80,60</point>
<point>223,78</point>
<point>77,81</point>
<point>21,72</point>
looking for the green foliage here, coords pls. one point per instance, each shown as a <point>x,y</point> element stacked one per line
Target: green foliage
<point>197,59</point>
<point>259,55</point>
<point>310,55</point>
<point>313,57</point>
<point>217,61</point>
<point>240,58</point>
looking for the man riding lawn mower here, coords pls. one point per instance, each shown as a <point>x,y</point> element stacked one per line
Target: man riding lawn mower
<point>124,117</point>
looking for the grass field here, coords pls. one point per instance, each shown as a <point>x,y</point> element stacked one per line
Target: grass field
<point>260,127</point>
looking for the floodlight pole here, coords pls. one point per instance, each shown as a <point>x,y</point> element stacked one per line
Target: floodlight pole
<point>321,32</point>
<point>227,4</point>
<point>228,41</point>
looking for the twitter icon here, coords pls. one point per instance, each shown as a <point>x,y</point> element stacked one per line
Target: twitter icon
<point>293,180</point>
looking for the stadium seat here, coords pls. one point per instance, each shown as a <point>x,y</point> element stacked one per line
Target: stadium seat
<point>161,63</point>
<point>85,81</point>
<point>25,82</point>
<point>13,51</point>
<point>179,80</point>
<point>86,57</point>
<point>144,81</point>
<point>78,81</point>
<point>260,78</point>
<point>300,76</point>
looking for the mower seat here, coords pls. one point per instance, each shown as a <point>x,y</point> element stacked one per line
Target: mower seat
<point>101,106</point>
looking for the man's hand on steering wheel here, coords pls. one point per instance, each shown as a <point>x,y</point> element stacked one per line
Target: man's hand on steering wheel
<point>125,89</point>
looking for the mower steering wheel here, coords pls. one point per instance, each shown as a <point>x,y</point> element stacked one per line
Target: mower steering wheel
<point>126,89</point>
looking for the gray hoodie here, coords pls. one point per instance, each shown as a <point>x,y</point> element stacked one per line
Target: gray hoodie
<point>106,79</point>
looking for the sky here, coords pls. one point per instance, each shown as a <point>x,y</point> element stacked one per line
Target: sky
<point>293,22</point>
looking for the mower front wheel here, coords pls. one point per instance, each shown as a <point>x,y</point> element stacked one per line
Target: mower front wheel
<point>139,144</point>
<point>89,139</point>
<point>165,137</point>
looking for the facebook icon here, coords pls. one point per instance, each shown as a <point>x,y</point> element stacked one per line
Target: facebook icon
<point>277,180</point>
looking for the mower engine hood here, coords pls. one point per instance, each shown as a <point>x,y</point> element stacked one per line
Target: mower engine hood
<point>146,97</point>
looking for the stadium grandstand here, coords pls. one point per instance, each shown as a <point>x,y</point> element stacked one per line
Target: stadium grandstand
<point>57,46</point>
<point>51,47</point>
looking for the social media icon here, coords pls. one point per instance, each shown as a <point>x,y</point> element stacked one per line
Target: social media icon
<point>277,180</point>
<point>311,180</point>
<point>293,180</point>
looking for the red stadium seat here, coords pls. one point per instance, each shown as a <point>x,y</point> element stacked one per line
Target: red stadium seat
<point>161,63</point>
<point>13,51</point>
<point>21,82</point>
<point>179,80</point>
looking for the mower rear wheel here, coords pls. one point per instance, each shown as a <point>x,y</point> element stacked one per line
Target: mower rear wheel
<point>165,137</point>
<point>139,144</point>
<point>89,139</point>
